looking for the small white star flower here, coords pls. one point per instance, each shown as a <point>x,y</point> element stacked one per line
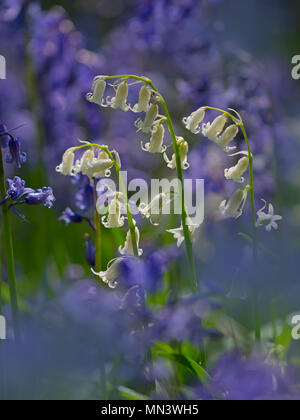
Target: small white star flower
<point>212,130</point>
<point>127,249</point>
<point>119,101</point>
<point>268,219</point>
<point>156,142</point>
<point>227,137</point>
<point>114,218</point>
<point>112,273</point>
<point>151,115</point>
<point>192,122</point>
<point>67,165</point>
<point>98,89</point>
<point>236,172</point>
<point>183,152</point>
<point>235,206</point>
<point>144,99</point>
<point>178,233</point>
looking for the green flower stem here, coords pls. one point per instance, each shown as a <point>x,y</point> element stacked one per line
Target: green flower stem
<point>184,215</point>
<point>9,253</point>
<point>98,238</point>
<point>239,123</point>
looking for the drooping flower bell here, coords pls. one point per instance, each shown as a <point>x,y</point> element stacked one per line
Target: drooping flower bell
<point>212,130</point>
<point>155,208</point>
<point>114,218</point>
<point>15,155</point>
<point>156,142</point>
<point>178,233</point>
<point>120,99</point>
<point>144,99</point>
<point>112,273</point>
<point>4,136</point>
<point>98,90</point>
<point>236,172</point>
<point>94,167</point>
<point>151,115</point>
<point>42,196</point>
<point>268,220</point>
<point>227,137</point>
<point>16,188</point>
<point>235,206</point>
<point>183,152</point>
<point>67,165</point>
<point>127,249</point>
<point>70,216</point>
<point>192,123</point>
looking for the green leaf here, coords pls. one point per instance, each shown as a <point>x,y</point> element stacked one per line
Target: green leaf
<point>130,394</point>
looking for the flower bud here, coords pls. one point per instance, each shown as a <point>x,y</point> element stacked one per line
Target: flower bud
<point>192,122</point>
<point>236,172</point>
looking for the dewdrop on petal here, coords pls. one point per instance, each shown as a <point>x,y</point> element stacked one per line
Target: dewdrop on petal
<point>235,206</point>
<point>119,101</point>
<point>268,219</point>
<point>183,152</point>
<point>66,167</point>
<point>144,99</point>
<point>114,218</point>
<point>227,137</point>
<point>156,142</point>
<point>212,130</point>
<point>127,249</point>
<point>98,89</point>
<point>151,115</point>
<point>192,123</point>
<point>112,273</point>
<point>236,172</point>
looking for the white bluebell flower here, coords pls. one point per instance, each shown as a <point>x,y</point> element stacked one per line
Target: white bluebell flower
<point>98,90</point>
<point>183,152</point>
<point>236,172</point>
<point>114,218</point>
<point>212,130</point>
<point>235,206</point>
<point>144,99</point>
<point>192,122</point>
<point>120,99</point>
<point>178,233</point>
<point>147,124</point>
<point>127,249</point>
<point>156,141</point>
<point>67,165</point>
<point>110,276</point>
<point>227,137</point>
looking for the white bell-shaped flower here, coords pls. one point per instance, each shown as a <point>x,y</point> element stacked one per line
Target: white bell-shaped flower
<point>236,172</point>
<point>94,167</point>
<point>119,101</point>
<point>235,206</point>
<point>98,89</point>
<point>183,152</point>
<point>156,142</point>
<point>127,249</point>
<point>155,208</point>
<point>151,115</point>
<point>178,233</point>
<point>212,130</point>
<point>144,99</point>
<point>83,164</point>
<point>268,220</point>
<point>110,276</point>
<point>192,122</point>
<point>227,137</point>
<point>114,218</point>
<point>67,165</point>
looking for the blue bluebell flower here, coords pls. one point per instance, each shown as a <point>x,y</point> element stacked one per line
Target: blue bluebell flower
<point>42,196</point>
<point>16,188</point>
<point>15,155</point>
<point>69,216</point>
<point>4,137</point>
